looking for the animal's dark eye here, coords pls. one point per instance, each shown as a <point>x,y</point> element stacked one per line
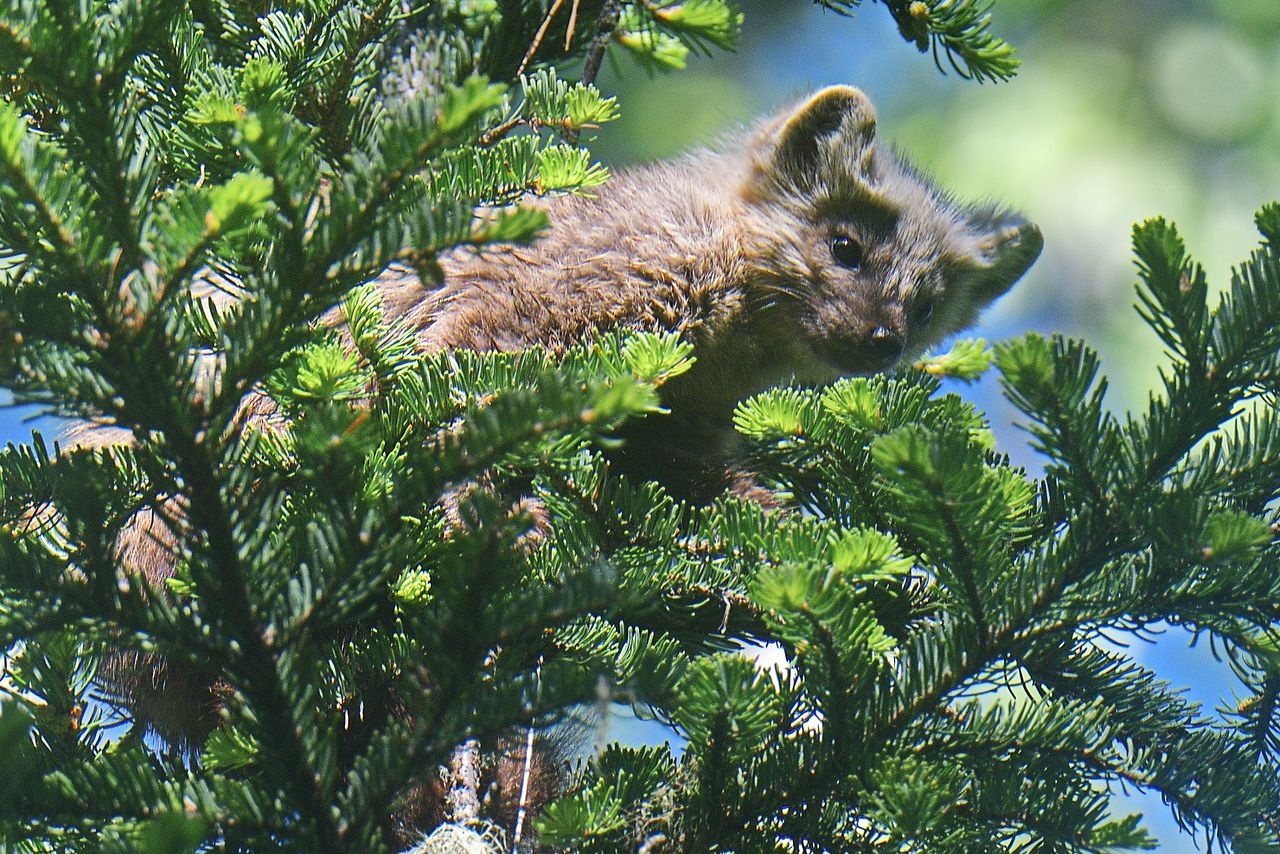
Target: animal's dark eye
<point>846,251</point>
<point>922,311</point>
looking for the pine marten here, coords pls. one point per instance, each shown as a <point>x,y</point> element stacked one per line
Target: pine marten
<point>801,252</point>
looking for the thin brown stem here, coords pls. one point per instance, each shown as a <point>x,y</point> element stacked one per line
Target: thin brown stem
<point>606,24</point>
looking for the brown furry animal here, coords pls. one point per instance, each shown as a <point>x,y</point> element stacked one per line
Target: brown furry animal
<point>802,252</point>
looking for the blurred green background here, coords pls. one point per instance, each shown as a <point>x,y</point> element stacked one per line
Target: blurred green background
<point>1122,111</point>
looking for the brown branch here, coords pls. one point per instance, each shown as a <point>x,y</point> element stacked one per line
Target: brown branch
<point>606,24</point>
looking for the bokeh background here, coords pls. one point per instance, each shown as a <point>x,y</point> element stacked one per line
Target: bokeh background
<point>1122,111</point>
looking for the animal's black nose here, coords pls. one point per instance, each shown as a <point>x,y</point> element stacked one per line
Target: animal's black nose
<point>869,351</point>
<point>885,345</point>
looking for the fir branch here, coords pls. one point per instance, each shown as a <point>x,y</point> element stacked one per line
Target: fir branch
<point>23,159</point>
<point>957,28</point>
<point>372,22</point>
<point>227,585</point>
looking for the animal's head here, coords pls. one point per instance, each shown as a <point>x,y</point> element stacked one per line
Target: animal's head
<point>867,257</point>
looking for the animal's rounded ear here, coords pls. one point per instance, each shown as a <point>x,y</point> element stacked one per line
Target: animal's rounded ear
<point>1003,246</point>
<point>839,117</point>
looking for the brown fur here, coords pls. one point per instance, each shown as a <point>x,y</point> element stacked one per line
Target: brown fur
<point>732,249</point>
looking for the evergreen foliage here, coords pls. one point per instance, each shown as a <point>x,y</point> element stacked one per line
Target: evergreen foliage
<point>406,554</point>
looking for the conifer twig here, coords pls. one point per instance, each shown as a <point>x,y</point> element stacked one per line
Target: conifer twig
<point>526,770</point>
<point>540,35</point>
<point>463,799</point>
<point>606,24</point>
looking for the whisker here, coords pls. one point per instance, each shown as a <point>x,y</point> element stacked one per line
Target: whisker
<point>780,289</point>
